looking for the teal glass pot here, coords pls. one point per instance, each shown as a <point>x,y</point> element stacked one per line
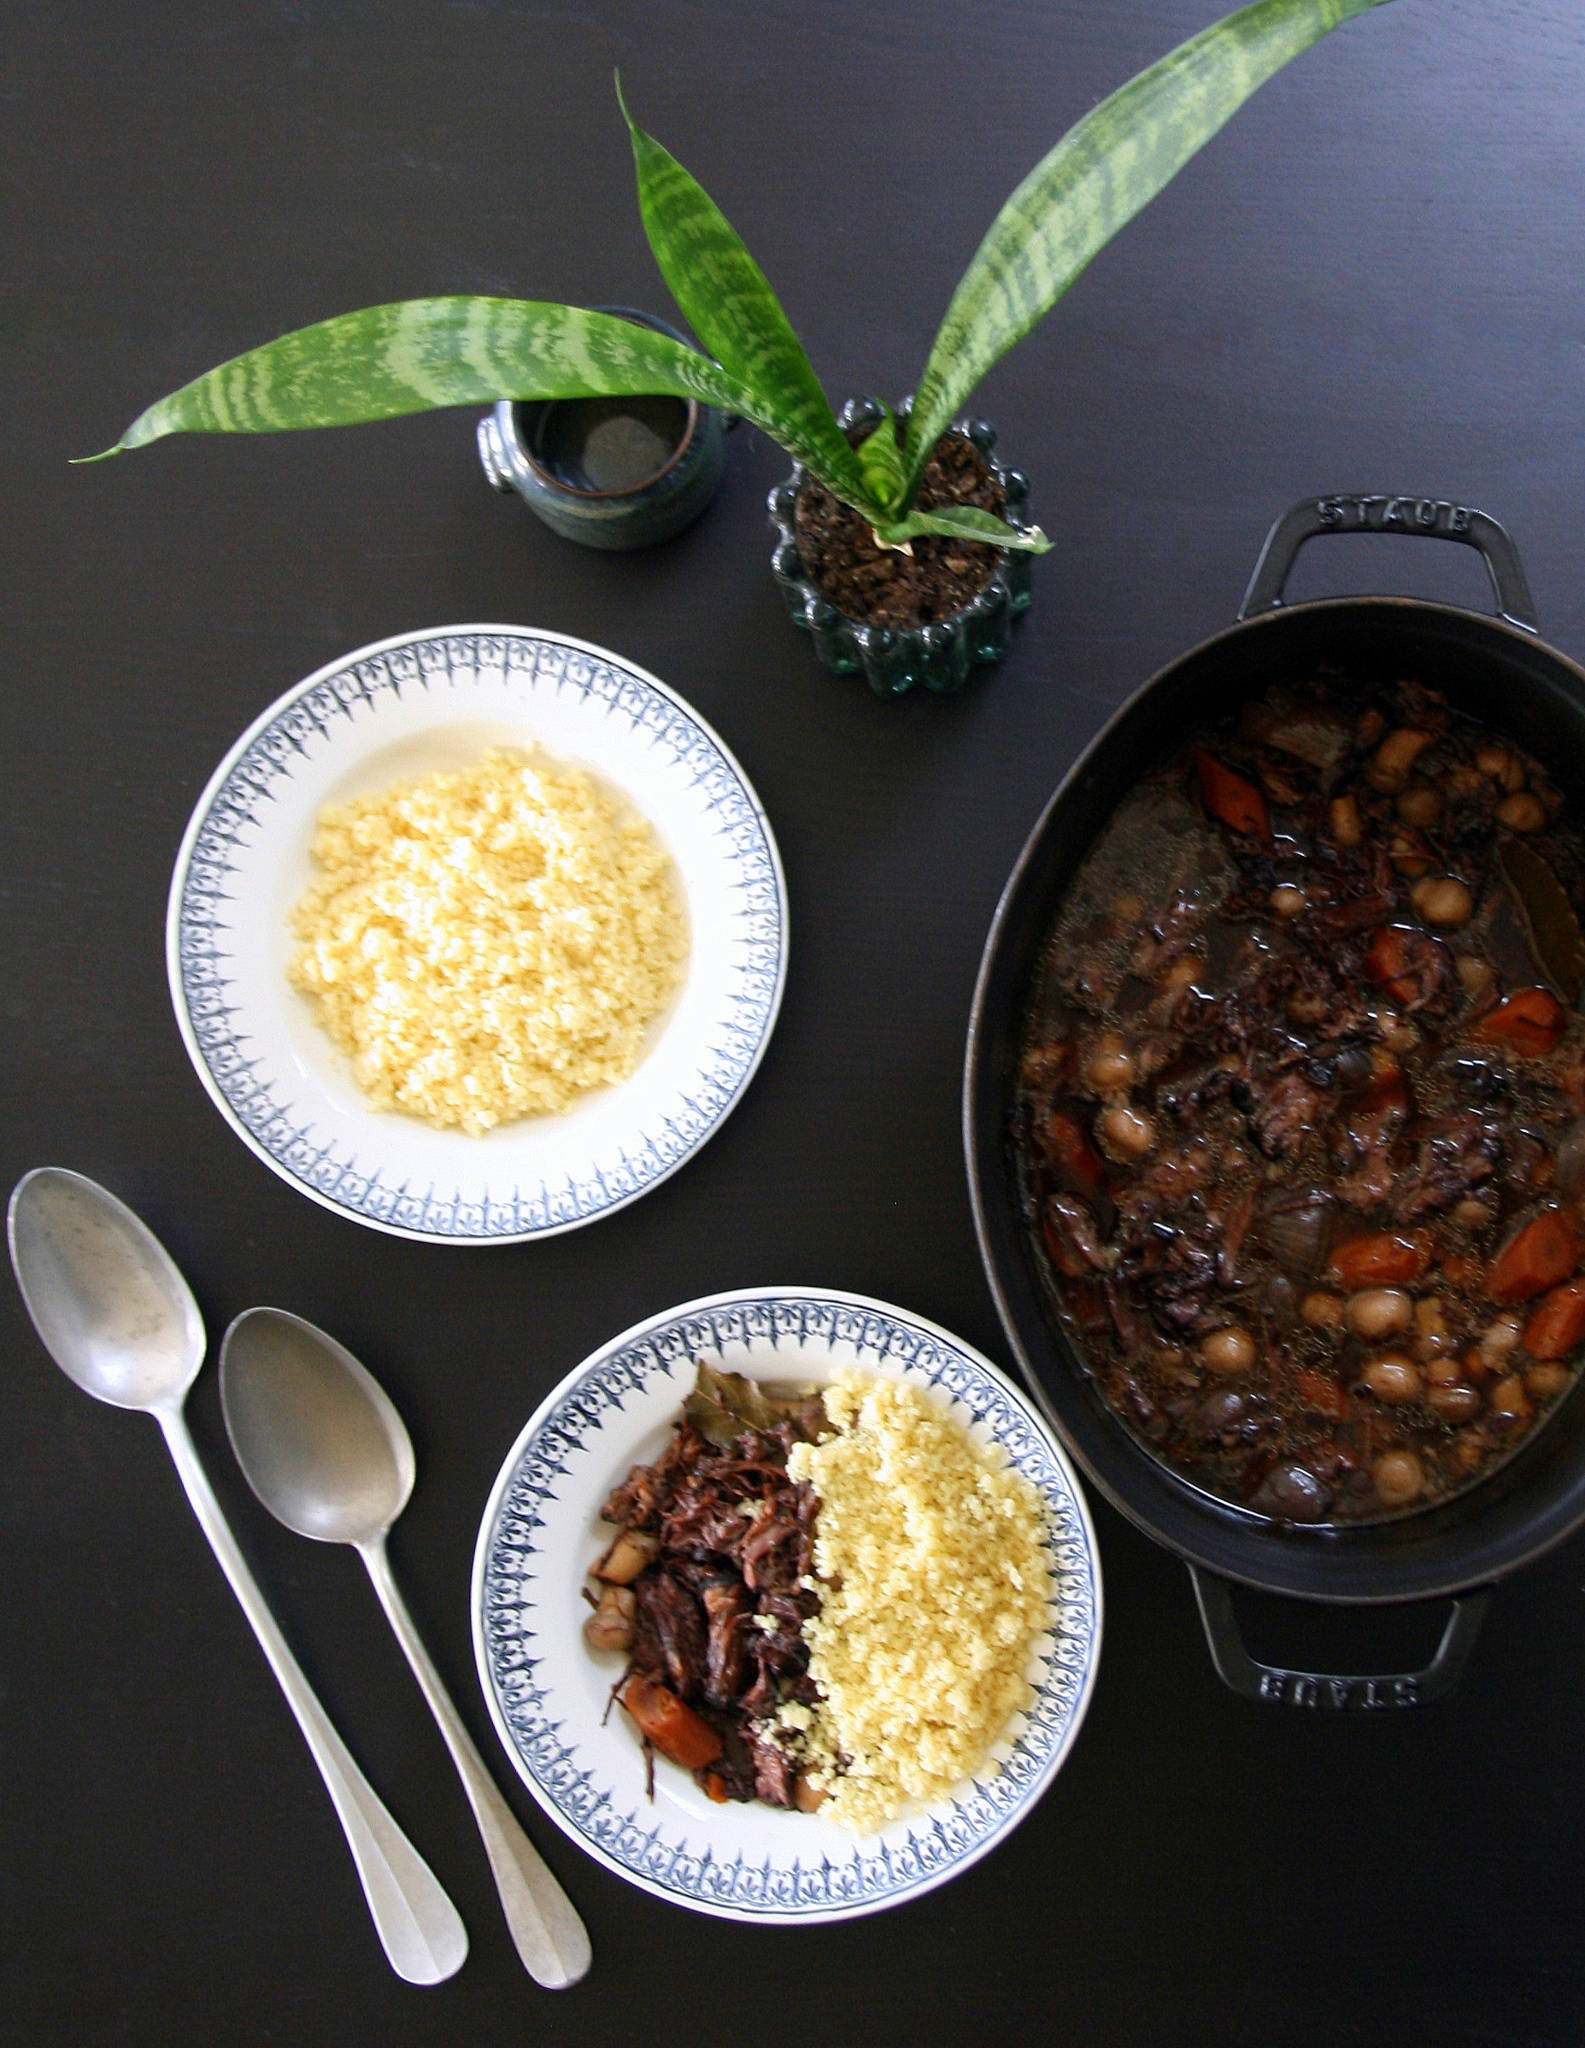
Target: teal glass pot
<point>937,657</point>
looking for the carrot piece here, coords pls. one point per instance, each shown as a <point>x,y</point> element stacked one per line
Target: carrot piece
<point>715,1787</point>
<point>1075,1158</point>
<point>1387,953</point>
<point>1557,1323</point>
<point>1380,1258</point>
<point>1403,962</point>
<point>1539,1256</point>
<point>1318,1390</point>
<point>1530,1021</point>
<point>1231,798</point>
<point>671,1725</point>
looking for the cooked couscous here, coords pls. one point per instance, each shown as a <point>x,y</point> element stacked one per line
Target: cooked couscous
<point>489,944</point>
<point>934,1587</point>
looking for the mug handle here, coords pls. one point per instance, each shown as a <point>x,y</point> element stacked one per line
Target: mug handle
<point>1252,1680</point>
<point>1432,518</point>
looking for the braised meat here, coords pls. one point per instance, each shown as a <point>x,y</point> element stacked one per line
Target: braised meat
<point>1299,1106</point>
<point>724,1542</point>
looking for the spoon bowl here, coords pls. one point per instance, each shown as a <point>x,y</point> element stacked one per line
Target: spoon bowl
<point>104,1294</point>
<point>318,1438</point>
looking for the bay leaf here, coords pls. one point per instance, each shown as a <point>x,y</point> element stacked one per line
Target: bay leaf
<point>1551,926</point>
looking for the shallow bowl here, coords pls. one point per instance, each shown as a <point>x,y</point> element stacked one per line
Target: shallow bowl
<point>407,707</point>
<point>550,1696</point>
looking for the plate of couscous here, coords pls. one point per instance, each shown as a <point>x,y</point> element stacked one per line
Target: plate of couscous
<point>950,1582</point>
<point>477,934</point>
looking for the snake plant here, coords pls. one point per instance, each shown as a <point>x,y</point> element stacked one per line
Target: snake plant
<point>462,350</point>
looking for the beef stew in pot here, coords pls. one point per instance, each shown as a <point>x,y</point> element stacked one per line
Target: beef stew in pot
<point>1300,1121</point>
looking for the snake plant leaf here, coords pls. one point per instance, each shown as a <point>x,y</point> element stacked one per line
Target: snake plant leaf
<point>1108,166</point>
<point>731,307</point>
<point>880,462</point>
<point>420,353</point>
<point>964,522</point>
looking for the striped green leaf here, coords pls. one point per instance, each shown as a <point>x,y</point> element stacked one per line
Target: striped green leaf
<point>1095,180</point>
<point>422,353</point>
<point>965,522</point>
<point>730,306</point>
<point>881,466</point>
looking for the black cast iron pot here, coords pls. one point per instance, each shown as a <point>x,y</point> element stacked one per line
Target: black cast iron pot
<point>1500,672</point>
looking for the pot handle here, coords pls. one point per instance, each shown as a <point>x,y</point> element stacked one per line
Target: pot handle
<point>1254,1681</point>
<point>1434,518</point>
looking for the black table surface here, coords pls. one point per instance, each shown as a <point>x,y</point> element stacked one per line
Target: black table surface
<point>1371,281</point>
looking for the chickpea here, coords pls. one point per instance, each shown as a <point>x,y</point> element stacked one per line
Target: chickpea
<point>1378,1311</point>
<point>1441,899</point>
<point>1545,1380</point>
<point>628,1555</point>
<point>610,1626</point>
<point>1397,1035</point>
<point>1455,1402</point>
<point>1499,764</point>
<point>1474,973</point>
<point>1521,812</point>
<point>1127,1132</point>
<point>1420,804</point>
<point>1509,1400</point>
<point>1286,900</point>
<point>1431,1334</point>
<point>1441,1372</point>
<point>1472,1213</point>
<point>1392,1378</point>
<point>1322,1311</point>
<point>1228,1350</point>
<point>1399,1478</point>
<point>1110,1066</point>
<point>1183,971</point>
<point>1343,821</point>
<point>1500,1336</point>
<point>1397,754</point>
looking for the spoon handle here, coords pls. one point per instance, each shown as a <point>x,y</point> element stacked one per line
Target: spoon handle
<point>546,1931</point>
<point>419,1927</point>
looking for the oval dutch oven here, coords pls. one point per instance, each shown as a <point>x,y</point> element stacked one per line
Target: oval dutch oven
<point>1499,671</point>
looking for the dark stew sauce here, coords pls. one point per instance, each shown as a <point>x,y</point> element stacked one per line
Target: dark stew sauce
<point>1301,1104</point>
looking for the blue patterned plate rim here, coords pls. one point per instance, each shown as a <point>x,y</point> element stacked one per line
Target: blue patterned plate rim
<point>650,1365</point>
<point>340,1179</point>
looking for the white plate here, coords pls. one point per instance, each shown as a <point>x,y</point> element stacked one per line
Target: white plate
<point>549,1693</point>
<point>410,706</point>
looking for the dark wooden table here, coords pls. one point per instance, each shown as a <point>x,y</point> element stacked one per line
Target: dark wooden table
<point>1371,281</point>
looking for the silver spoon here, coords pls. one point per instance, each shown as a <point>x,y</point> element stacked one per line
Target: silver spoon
<point>326,1452</point>
<point>120,1321</point>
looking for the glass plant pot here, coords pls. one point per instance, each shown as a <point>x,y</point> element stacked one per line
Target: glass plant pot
<point>609,472</point>
<point>937,657</point>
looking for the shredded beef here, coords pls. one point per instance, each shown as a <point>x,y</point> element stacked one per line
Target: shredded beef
<point>719,1613</point>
